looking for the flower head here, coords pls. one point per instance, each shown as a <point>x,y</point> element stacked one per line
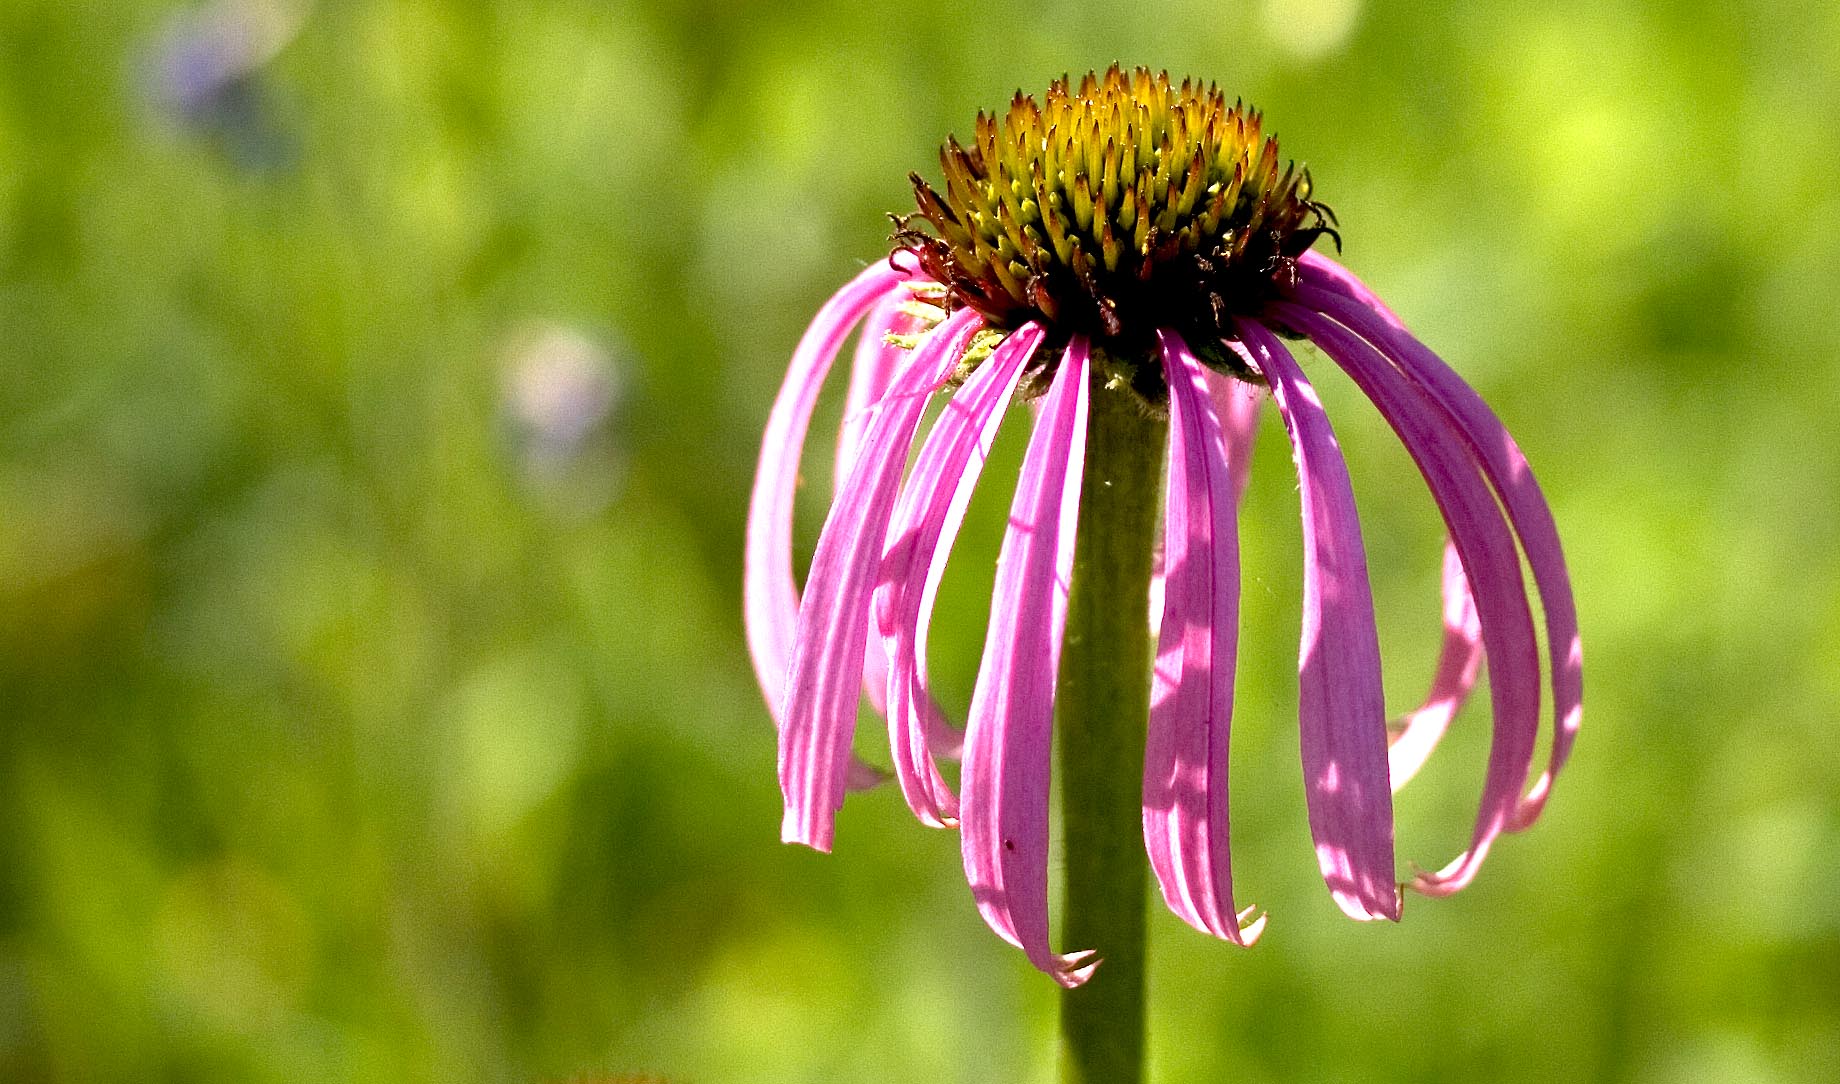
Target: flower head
<point>1116,209</point>
<point>1133,237</point>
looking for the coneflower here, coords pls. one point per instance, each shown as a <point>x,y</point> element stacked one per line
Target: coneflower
<point>1131,256</point>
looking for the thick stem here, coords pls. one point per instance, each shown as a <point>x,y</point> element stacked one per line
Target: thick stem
<point>1102,715</point>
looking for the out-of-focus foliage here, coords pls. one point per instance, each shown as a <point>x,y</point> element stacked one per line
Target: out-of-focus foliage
<point>381,390</point>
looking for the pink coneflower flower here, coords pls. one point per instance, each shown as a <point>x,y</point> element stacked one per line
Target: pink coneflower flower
<point>1127,237</point>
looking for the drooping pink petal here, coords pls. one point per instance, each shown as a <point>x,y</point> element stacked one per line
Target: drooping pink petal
<point>1335,291</point>
<point>1004,811</point>
<point>1416,734</point>
<point>872,370</point>
<point>926,522</point>
<point>1490,563</point>
<point>1341,708</point>
<point>1186,826</point>
<point>770,596</point>
<point>833,622</point>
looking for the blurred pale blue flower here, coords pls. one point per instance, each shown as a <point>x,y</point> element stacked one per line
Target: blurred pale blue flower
<point>203,71</point>
<point>562,390</point>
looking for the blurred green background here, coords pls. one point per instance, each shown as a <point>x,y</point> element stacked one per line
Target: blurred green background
<point>382,390</point>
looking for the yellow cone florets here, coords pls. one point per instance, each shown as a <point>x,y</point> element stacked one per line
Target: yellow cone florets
<point>1114,208</point>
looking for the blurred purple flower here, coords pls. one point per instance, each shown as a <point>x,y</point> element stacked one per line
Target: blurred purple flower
<point>561,392</point>
<point>1032,284</point>
<point>204,69</point>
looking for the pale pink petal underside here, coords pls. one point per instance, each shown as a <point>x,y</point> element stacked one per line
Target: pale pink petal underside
<point>1459,662</point>
<point>1008,738</point>
<point>1237,404</point>
<point>833,625</point>
<point>1341,707</point>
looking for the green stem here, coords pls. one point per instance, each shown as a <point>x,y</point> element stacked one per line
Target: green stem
<point>1103,705</point>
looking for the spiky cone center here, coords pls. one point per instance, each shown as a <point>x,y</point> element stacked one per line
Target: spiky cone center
<point>1114,208</point>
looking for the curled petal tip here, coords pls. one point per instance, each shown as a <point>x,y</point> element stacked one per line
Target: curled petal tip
<point>940,819</point>
<point>1351,906</point>
<point>1249,931</point>
<point>790,832</point>
<point>1453,878</point>
<point>1362,909</point>
<point>937,818</point>
<point>1532,805</point>
<point>1444,883</point>
<point>1076,968</point>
